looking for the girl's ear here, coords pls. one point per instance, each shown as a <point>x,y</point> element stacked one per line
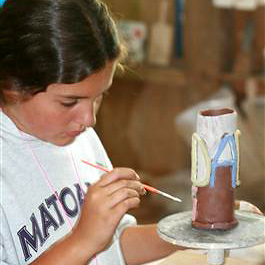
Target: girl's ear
<point>11,96</point>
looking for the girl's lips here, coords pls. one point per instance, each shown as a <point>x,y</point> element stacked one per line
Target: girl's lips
<point>73,133</point>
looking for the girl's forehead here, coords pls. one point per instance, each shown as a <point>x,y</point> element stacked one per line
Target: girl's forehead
<point>95,83</point>
<point>79,90</point>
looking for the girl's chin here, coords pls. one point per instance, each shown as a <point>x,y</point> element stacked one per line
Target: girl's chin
<point>62,141</point>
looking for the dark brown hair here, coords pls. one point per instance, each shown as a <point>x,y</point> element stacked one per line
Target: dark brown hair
<point>53,41</point>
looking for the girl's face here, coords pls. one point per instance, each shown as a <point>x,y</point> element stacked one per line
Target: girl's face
<point>63,111</point>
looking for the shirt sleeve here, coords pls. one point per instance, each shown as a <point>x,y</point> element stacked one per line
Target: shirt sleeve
<point>99,148</point>
<point>3,254</point>
<point>127,220</point>
<point>8,255</point>
<point>113,254</point>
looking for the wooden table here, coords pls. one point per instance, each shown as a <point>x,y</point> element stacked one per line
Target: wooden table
<point>191,258</point>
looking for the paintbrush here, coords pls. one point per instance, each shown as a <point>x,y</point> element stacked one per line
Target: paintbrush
<point>149,188</point>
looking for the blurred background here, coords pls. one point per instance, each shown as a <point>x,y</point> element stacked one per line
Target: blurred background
<point>183,56</point>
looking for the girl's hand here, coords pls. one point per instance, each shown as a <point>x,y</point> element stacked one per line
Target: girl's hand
<point>105,204</point>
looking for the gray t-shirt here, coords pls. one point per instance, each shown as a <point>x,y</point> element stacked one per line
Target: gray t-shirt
<point>32,216</point>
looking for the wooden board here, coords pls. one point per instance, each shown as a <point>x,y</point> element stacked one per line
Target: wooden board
<point>137,126</point>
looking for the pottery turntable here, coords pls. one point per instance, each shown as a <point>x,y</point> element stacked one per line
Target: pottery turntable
<point>213,224</point>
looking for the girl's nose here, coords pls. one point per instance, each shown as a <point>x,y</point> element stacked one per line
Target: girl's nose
<point>87,116</point>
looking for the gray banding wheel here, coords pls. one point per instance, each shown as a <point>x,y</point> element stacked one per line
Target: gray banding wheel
<point>176,229</point>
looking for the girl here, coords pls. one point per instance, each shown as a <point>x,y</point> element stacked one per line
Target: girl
<point>57,59</point>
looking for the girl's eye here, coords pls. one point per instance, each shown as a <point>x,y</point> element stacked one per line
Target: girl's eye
<point>70,103</point>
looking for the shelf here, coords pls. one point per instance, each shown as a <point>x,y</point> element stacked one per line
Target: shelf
<point>260,78</point>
